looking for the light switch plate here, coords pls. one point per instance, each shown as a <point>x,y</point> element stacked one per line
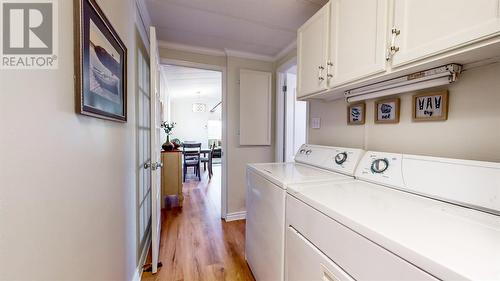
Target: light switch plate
<point>315,123</point>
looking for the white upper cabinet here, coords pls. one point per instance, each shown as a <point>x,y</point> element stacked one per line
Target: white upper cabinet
<point>430,27</point>
<point>312,48</point>
<point>358,39</point>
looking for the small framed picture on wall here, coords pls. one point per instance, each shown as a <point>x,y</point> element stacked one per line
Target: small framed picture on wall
<point>387,111</point>
<point>356,114</point>
<point>431,106</point>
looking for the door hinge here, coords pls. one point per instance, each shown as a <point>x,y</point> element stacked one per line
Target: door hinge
<point>284,89</point>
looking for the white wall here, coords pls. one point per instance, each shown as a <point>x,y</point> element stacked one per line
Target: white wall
<point>471,132</point>
<point>239,156</point>
<point>67,182</point>
<point>193,126</point>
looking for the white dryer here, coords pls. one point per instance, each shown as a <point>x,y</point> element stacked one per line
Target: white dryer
<point>406,218</point>
<point>266,196</point>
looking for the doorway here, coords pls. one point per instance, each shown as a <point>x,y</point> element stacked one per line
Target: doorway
<point>292,115</point>
<point>195,102</point>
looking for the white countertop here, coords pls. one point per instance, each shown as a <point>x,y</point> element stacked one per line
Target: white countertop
<point>283,174</point>
<point>448,241</point>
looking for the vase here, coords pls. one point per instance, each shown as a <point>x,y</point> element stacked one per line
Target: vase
<point>168,146</point>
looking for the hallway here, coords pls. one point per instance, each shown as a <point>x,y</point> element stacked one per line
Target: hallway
<point>195,243</point>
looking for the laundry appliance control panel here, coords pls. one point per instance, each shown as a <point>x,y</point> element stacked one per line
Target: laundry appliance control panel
<point>337,159</point>
<point>381,167</point>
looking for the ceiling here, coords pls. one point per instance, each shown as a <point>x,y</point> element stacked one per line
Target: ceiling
<point>262,27</point>
<point>186,82</point>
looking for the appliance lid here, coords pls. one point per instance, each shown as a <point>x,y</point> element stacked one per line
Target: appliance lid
<point>447,240</point>
<point>283,174</point>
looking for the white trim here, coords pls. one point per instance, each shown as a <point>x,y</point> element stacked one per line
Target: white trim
<point>144,20</point>
<point>192,49</point>
<point>280,117</point>
<point>288,64</point>
<point>280,109</point>
<point>224,179</point>
<point>286,50</point>
<point>226,52</point>
<point>236,216</point>
<point>247,55</point>
<point>142,259</point>
<point>137,275</point>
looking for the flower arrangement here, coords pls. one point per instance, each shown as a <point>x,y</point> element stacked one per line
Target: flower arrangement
<point>168,127</point>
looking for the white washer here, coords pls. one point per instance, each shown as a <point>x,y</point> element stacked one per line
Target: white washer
<point>266,196</point>
<point>406,218</point>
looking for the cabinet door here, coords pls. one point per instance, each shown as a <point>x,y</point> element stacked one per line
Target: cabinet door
<point>312,48</point>
<point>255,107</point>
<point>430,27</point>
<point>358,40</point>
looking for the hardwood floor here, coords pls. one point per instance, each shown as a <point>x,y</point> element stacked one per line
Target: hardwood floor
<point>195,243</point>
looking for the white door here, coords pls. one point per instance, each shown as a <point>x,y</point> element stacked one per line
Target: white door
<point>312,48</point>
<point>430,27</point>
<point>295,119</point>
<point>155,151</point>
<point>357,40</point>
<point>144,144</point>
<point>290,97</point>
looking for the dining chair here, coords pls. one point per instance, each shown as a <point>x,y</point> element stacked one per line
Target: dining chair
<point>191,153</point>
<point>207,160</point>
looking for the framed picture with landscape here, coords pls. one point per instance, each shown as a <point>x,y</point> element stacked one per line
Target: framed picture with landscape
<point>100,64</point>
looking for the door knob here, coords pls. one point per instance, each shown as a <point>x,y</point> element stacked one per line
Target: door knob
<point>153,166</point>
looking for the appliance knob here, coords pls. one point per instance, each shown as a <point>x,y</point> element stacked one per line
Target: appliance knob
<point>340,158</point>
<point>308,152</point>
<point>379,166</point>
<point>302,151</point>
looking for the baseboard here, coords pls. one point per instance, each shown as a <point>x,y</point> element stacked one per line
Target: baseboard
<point>142,259</point>
<point>137,274</point>
<point>236,216</point>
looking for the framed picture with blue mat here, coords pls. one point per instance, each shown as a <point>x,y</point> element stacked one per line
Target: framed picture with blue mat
<point>100,65</point>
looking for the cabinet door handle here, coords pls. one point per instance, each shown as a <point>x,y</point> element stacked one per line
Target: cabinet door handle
<point>320,73</point>
<point>329,74</point>
<point>393,49</point>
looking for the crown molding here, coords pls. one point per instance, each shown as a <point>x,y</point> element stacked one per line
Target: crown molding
<point>144,14</point>
<point>285,51</point>
<point>227,52</point>
<point>192,49</point>
<point>247,55</point>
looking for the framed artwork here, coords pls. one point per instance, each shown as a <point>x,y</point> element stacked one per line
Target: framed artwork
<point>100,65</point>
<point>356,114</point>
<point>387,111</point>
<point>431,106</point>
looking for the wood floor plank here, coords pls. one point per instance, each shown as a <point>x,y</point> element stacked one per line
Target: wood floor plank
<point>195,244</point>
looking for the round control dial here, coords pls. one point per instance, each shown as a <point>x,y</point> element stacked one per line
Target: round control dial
<point>340,158</point>
<point>380,165</point>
